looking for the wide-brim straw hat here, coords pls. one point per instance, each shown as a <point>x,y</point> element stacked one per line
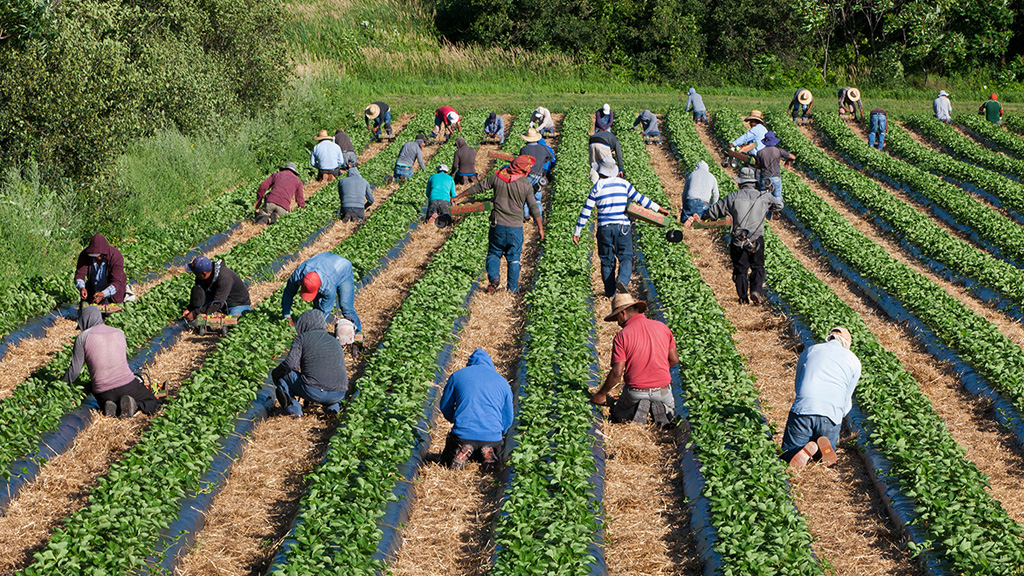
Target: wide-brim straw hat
<point>323,135</point>
<point>805,97</point>
<point>372,111</point>
<point>623,301</point>
<point>853,94</point>
<point>754,116</point>
<point>532,135</point>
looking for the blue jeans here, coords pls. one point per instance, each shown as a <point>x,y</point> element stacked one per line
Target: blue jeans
<point>292,385</point>
<point>776,186</point>
<point>615,242</point>
<point>800,111</point>
<point>801,429</point>
<point>701,116</point>
<point>537,195</point>
<point>504,241</point>
<point>403,171</point>
<point>384,119</point>
<point>237,310</point>
<point>548,130</point>
<point>693,206</point>
<point>877,127</point>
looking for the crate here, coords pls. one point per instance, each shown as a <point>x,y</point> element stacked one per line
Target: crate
<point>638,212</point>
<point>209,322</point>
<point>470,207</point>
<point>106,309</point>
<point>507,156</point>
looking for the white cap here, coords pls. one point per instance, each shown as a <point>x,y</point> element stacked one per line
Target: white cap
<point>606,109</point>
<point>442,168</point>
<point>453,117</point>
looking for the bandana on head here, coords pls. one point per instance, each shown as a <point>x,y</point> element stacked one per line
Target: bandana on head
<point>520,167</point>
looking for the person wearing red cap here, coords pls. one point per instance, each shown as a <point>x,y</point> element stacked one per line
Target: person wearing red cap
<point>992,110</point>
<point>217,289</point>
<point>324,279</point>
<point>511,192</point>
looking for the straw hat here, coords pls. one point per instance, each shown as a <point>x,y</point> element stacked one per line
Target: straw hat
<point>842,335</point>
<point>805,97</point>
<point>754,116</point>
<point>622,302</point>
<point>372,111</point>
<point>853,94</point>
<point>532,135</point>
<point>323,135</point>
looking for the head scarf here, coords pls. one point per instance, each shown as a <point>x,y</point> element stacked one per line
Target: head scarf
<point>520,167</point>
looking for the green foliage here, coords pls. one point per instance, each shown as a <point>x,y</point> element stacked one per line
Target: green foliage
<point>963,147</point>
<point>23,20</point>
<point>997,136</point>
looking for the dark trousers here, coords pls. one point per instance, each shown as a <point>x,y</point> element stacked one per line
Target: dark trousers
<point>349,214</point>
<point>452,443</point>
<point>336,172</point>
<point>136,389</point>
<point>744,260</point>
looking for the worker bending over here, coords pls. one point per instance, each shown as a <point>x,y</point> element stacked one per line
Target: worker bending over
<point>380,114</point>
<point>464,162</point>
<point>695,105</point>
<point>327,157</point>
<point>411,152</point>
<point>878,122</point>
<point>494,127</point>
<point>440,192</point>
<point>355,195</point>
<point>478,402</point>
<point>274,196</point>
<point>699,192</point>
<point>324,279</point>
<point>446,122</point>
<point>313,370</point>
<point>603,119</point>
<point>801,104</point>
<point>648,123</point>
<point>542,121</point>
<point>849,102</point>
<point>942,107</point>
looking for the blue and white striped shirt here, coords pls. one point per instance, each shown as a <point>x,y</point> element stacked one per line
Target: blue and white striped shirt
<point>611,196</point>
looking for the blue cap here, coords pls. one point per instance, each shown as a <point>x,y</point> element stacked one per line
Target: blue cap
<point>201,265</point>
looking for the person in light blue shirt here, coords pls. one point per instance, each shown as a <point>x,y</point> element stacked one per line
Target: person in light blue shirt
<point>478,402</point>
<point>756,131</point>
<point>326,157</point>
<point>323,280</point>
<point>826,376</point>
<point>494,127</point>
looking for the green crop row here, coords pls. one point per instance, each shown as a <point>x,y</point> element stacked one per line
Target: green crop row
<point>140,495</point>
<point>1000,231</point>
<point>1014,122</point>
<point>548,518</point>
<point>997,135</point>
<point>963,147</point>
<point>758,528</point>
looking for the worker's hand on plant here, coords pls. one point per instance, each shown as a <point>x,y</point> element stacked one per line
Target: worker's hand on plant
<point>576,240</point>
<point>84,293</point>
<point>600,398</point>
<point>97,297</point>
<point>188,315</point>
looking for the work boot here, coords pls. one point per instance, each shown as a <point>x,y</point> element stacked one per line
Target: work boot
<point>620,287</point>
<point>756,297</point>
<point>128,406</point>
<point>828,455</point>
<point>492,287</point>
<point>391,178</point>
<point>805,455</point>
<point>490,458</point>
<point>461,457</point>
<point>283,400</point>
<point>110,409</point>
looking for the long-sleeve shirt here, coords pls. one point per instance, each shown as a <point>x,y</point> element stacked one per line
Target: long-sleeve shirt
<point>411,152</point>
<point>943,108</point>
<point>332,270</point>
<point>384,108</point>
<point>694,102</point>
<point>545,119</point>
<point>441,115</point>
<point>109,271</point>
<point>478,401</point>
<point>768,160</point>
<point>497,127</point>
<point>103,349</point>
<point>755,134</point>
<point>223,290</point>
<point>283,186</point>
<point>440,186</point>
<point>326,155</point>
<point>509,199</point>
<point>611,142</point>
<point>603,121</point>
<point>611,196</point>
<point>826,376</point>
<point>464,161</point>
<point>747,206</point>
<point>649,121</point>
<point>701,184</point>
<point>343,142</point>
<point>354,191</point>
<point>540,153</point>
<point>316,355</point>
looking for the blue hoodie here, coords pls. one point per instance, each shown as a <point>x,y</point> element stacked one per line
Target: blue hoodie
<point>478,400</point>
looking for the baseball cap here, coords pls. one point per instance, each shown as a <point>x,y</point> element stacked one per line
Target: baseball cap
<point>841,334</point>
<point>442,167</point>
<point>200,265</point>
<point>310,286</point>
<point>453,117</point>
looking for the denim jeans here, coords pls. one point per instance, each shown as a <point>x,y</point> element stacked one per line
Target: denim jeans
<point>615,242</point>
<point>403,171</point>
<point>801,429</point>
<point>693,206</point>
<point>800,111</point>
<point>237,310</point>
<point>292,385</point>
<point>876,129</point>
<point>344,295</point>
<point>384,119</point>
<point>507,242</point>
<point>701,116</point>
<point>548,130</point>
<point>776,186</point>
<point>538,195</point>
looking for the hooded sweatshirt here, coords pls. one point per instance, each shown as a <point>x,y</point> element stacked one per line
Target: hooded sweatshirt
<point>465,158</point>
<point>649,121</point>
<point>411,152</point>
<point>701,184</point>
<point>224,289</point>
<point>353,190</point>
<point>103,349</point>
<point>943,108</point>
<point>478,400</point>
<point>316,355</point>
<point>694,102</point>
<point>102,275</point>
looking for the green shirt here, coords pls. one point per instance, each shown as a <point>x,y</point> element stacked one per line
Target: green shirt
<point>993,110</point>
<point>440,186</point>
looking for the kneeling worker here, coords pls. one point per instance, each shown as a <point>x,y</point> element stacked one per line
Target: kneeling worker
<point>324,279</point>
<point>276,193</point>
<point>99,272</point>
<point>217,289</point>
<point>314,368</point>
<point>355,195</point>
<point>826,376</point>
<point>478,401</point>
<point>643,352</point>
<point>440,192</point>
<point>103,349</point>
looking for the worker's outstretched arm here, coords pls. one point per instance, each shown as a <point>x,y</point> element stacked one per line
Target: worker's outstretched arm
<point>613,379</point>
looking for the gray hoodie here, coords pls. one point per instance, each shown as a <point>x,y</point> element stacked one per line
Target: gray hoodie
<point>701,184</point>
<point>695,102</point>
<point>315,354</point>
<point>353,190</point>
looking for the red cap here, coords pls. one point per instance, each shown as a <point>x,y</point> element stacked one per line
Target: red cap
<point>310,286</point>
<point>994,97</point>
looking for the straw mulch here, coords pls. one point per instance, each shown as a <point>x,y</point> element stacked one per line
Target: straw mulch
<point>21,360</point>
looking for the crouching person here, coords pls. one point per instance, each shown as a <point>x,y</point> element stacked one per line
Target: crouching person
<point>217,289</point>
<point>103,349</point>
<point>314,368</point>
<point>478,402</point>
<point>643,352</point>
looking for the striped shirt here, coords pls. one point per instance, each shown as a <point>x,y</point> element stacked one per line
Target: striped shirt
<point>611,196</point>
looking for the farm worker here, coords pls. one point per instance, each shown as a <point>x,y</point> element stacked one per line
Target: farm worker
<point>355,195</point>
<point>449,119</point>
<point>992,110</point>
<point>464,163</point>
<point>695,105</point>
<point>410,152</point>
<point>699,192</point>
<point>643,352</point>
<point>752,141</point>
<point>379,114</point>
<point>801,104</point>
<point>99,272</point>
<point>314,368</point>
<point>768,163</point>
<point>477,400</point>
<point>282,186</point>
<point>878,121</point>
<point>748,207</point>
<point>542,156</point>
<point>541,120</point>
<point>604,145</point>
<point>505,239</point>
<point>494,127</point>
<point>611,194</point>
<point>826,376</point>
<point>326,156</point>
<point>440,192</point>
<point>649,122</point>
<point>217,289</point>
<point>943,107</point>
<point>849,100</point>
<point>103,349</point>
<point>323,280</point>
<point>348,151</point>
<point>603,119</point>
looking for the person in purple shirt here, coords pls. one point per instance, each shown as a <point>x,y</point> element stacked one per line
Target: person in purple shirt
<point>478,402</point>
<point>603,119</point>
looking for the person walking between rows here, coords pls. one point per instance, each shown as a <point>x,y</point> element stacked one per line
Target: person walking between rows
<point>648,122</point>
<point>747,207</point>
<point>274,196</point>
<point>992,110</point>
<point>878,122</point>
<point>411,152</point>
<point>103,350</point>
<point>494,127</point>
<point>313,370</point>
<point>326,157</point>
<point>604,145</point>
<point>542,121</point>
<point>99,273</point>
<point>464,162</point>
<point>542,157</point>
<point>849,102</point>
<point>505,239</point>
<point>355,195</point>
<point>477,400</point>
<point>446,122</point>
<point>768,160</point>
<point>695,105</point>
<point>217,289</point>
<point>826,376</point>
<point>348,151</point>
<point>611,195</point>
<point>800,105</point>
<point>643,353</point>
<point>943,108</point>
<point>379,114</point>
<point>603,119</point>
<point>440,192</point>
<point>699,192</point>
<point>324,280</point>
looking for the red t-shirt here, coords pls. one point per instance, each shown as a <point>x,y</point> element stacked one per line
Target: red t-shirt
<point>442,113</point>
<point>643,344</point>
